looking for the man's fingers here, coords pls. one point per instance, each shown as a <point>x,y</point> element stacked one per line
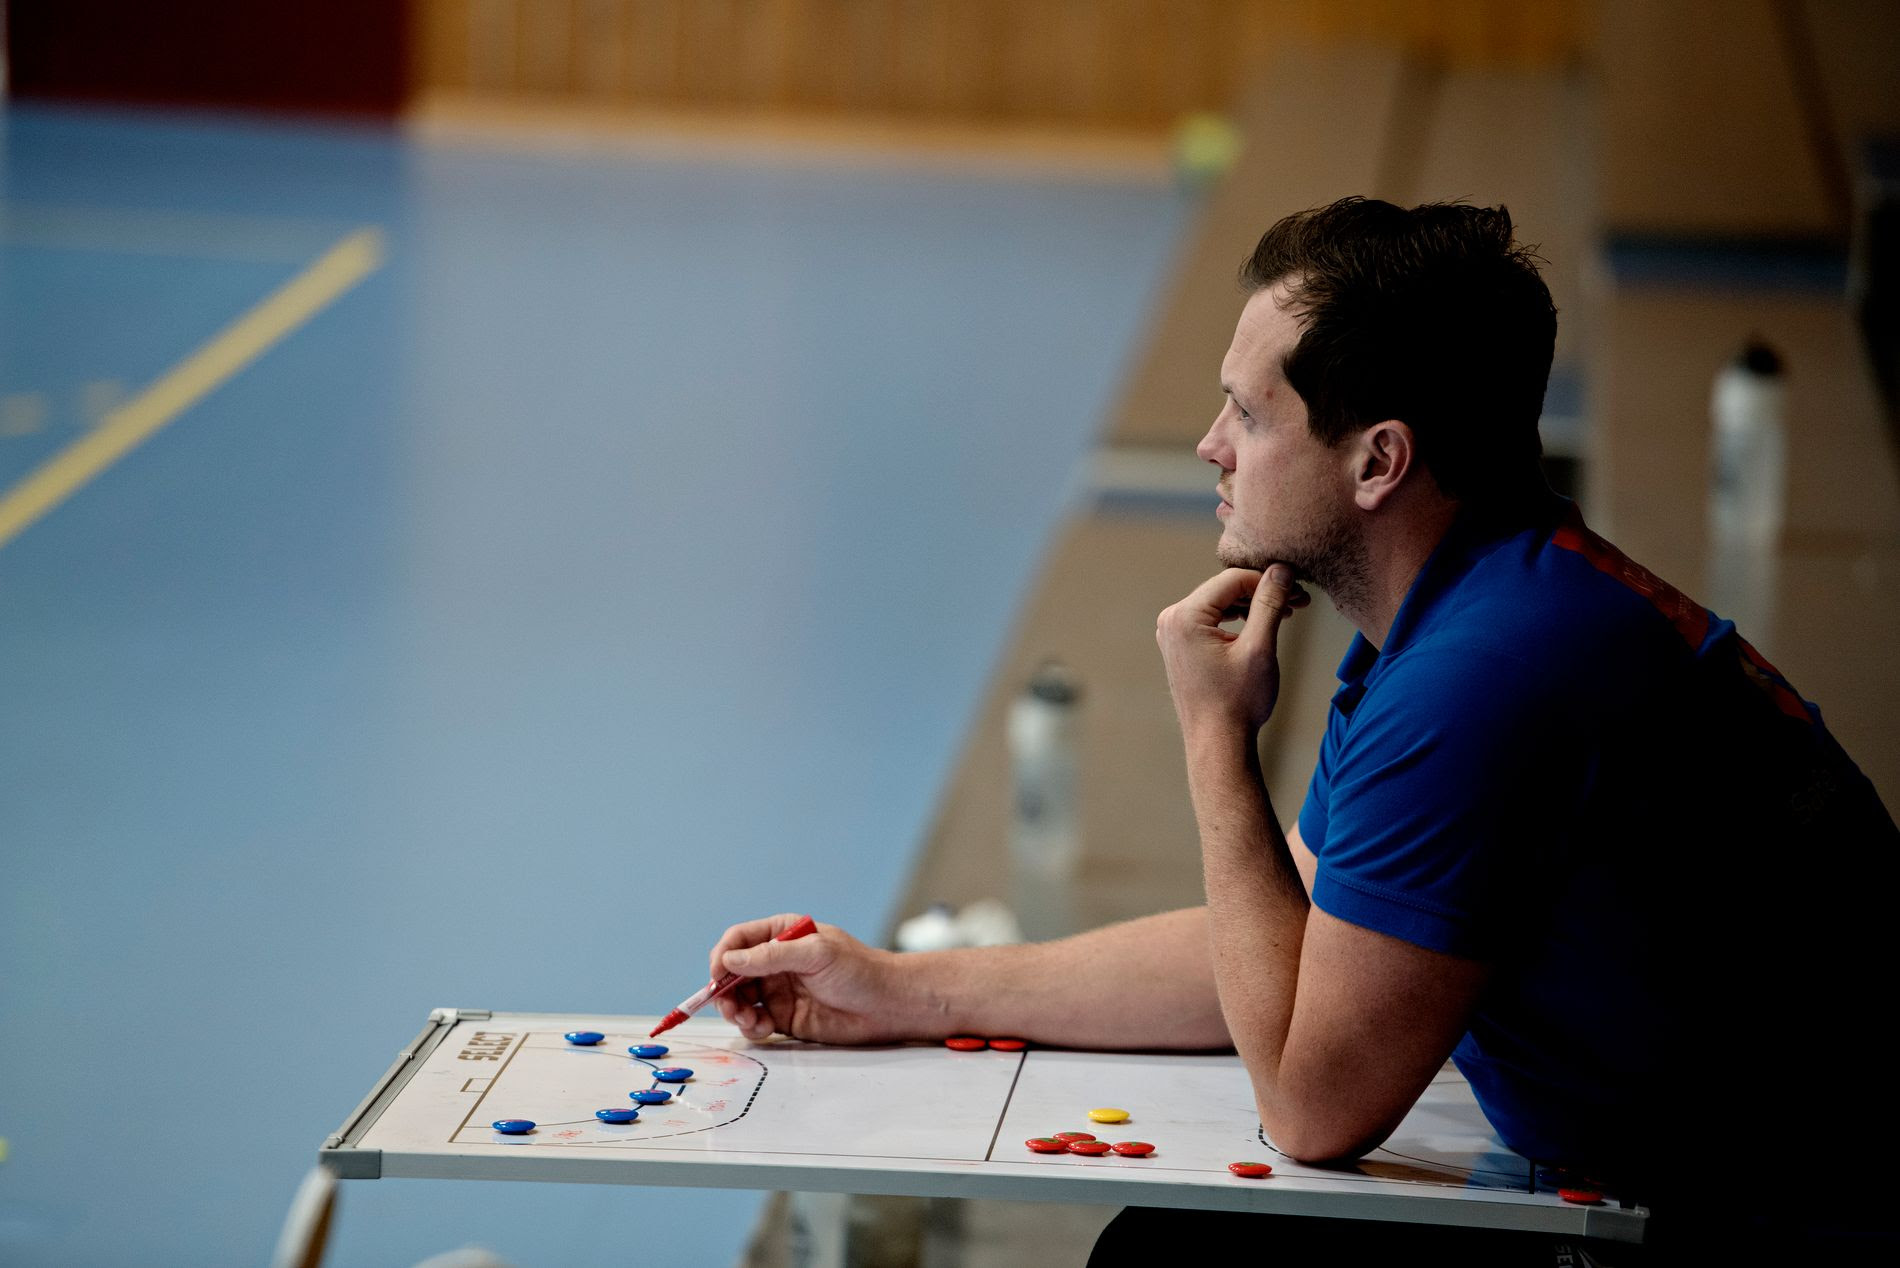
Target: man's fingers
<point>801,955</point>
<point>749,933</point>
<point>1228,588</point>
<point>1221,597</point>
<point>754,1023</point>
<point>1273,600</point>
<point>779,1007</point>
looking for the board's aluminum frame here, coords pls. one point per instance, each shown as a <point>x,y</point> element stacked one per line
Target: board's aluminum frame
<point>339,1152</point>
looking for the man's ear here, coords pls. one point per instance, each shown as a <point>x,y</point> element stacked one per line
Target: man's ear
<point>1385,456</point>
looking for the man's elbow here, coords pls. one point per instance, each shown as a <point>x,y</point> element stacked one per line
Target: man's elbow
<point>1320,1139</point>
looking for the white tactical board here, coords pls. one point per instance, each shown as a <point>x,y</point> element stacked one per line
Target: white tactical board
<point>916,1119</point>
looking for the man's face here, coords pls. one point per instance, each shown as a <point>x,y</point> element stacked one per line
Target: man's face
<point>1285,496</point>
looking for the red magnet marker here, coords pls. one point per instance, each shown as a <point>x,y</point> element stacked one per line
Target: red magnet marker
<point>713,990</point>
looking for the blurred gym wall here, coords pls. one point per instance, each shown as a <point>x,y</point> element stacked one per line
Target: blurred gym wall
<point>1121,63</point>
<point>334,57</point>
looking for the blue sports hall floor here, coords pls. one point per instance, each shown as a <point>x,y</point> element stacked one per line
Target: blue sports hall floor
<point>620,550</point>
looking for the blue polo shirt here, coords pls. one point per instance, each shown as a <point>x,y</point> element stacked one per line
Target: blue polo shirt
<point>1561,766</point>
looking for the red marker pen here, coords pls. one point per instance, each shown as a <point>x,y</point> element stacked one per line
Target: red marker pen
<point>713,990</point>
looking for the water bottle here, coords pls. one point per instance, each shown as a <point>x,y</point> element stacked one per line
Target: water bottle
<point>1045,833</point>
<point>1748,478</point>
<point>934,929</point>
<point>1748,490</point>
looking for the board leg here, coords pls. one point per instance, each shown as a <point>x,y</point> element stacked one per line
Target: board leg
<point>307,1225</point>
<point>820,1228</point>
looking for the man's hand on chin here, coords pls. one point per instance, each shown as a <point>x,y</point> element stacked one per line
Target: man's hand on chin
<point>1227,682</point>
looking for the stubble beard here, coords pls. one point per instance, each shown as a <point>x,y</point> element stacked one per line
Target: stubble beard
<point>1332,555</point>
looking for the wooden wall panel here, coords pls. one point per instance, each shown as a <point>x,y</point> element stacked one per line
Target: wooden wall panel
<point>1741,117</point>
<point>1119,63</point>
<point>1857,54</point>
<point>1703,129</point>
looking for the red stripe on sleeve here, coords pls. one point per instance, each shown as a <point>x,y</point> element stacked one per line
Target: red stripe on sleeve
<point>1691,619</point>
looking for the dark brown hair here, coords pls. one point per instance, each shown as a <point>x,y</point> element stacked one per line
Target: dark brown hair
<point>1431,315</point>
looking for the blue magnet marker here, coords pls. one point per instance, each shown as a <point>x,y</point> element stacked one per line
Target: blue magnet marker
<point>617,1115</point>
<point>584,1038</point>
<point>514,1126</point>
<point>675,1074</point>
<point>652,1096</point>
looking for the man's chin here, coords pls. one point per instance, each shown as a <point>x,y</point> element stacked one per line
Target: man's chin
<point>1233,556</point>
<point>1256,561</point>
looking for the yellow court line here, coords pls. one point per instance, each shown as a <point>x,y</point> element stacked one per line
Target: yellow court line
<point>191,380</point>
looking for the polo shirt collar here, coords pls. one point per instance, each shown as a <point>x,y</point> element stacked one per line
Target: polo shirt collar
<point>1447,565</point>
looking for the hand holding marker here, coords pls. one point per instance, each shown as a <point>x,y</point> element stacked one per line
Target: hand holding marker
<point>713,990</point>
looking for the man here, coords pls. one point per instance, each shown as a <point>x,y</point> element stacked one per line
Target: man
<point>1566,828</point>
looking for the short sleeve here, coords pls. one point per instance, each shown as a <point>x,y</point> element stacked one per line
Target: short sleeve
<point>1438,799</point>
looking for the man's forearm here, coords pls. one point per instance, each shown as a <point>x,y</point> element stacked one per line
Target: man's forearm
<point>1146,983</point>
<point>1257,905</point>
